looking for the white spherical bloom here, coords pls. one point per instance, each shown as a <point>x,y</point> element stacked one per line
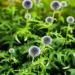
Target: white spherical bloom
<point>64,3</point>
<point>34,51</point>
<point>11,50</point>
<point>46,40</point>
<point>55,5</point>
<point>49,19</point>
<point>27,16</point>
<point>27,4</point>
<point>70,19</point>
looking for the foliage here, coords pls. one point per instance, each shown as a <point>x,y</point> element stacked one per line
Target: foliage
<point>58,58</point>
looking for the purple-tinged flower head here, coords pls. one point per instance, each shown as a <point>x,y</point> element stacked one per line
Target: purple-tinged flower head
<point>46,40</point>
<point>48,19</point>
<point>70,19</point>
<point>64,3</point>
<point>27,4</point>
<point>27,16</point>
<point>55,5</point>
<point>34,51</point>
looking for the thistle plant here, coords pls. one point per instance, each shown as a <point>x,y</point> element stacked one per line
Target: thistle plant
<point>55,6</point>
<point>70,20</point>
<point>21,34</point>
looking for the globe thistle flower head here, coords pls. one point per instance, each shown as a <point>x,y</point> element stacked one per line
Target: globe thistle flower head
<point>27,4</point>
<point>11,50</point>
<point>34,51</point>
<point>48,19</point>
<point>46,40</point>
<point>27,16</point>
<point>64,3</point>
<point>70,19</point>
<point>55,5</point>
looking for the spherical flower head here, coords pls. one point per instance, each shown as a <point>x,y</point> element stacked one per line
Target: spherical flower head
<point>48,19</point>
<point>64,3</point>
<point>34,51</point>
<point>27,16</point>
<point>11,50</point>
<point>46,40</point>
<point>27,4</point>
<point>70,19</point>
<point>55,5</point>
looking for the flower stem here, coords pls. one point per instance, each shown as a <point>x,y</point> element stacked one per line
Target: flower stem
<point>50,25</point>
<point>32,59</point>
<point>67,33</point>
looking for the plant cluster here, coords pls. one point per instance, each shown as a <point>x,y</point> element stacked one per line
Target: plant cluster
<point>37,38</point>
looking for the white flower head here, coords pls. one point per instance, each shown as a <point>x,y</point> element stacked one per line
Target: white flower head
<point>34,51</point>
<point>27,4</point>
<point>64,3</point>
<point>46,40</point>
<point>11,50</point>
<point>70,19</point>
<point>49,19</point>
<point>27,16</point>
<point>55,5</point>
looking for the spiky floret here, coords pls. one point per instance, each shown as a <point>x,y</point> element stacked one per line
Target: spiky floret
<point>27,16</point>
<point>70,19</point>
<point>46,40</point>
<point>27,4</point>
<point>34,51</point>
<point>48,19</point>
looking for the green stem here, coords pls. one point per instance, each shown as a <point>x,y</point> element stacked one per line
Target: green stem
<point>32,59</point>
<point>50,25</point>
<point>11,4</point>
<point>67,33</point>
